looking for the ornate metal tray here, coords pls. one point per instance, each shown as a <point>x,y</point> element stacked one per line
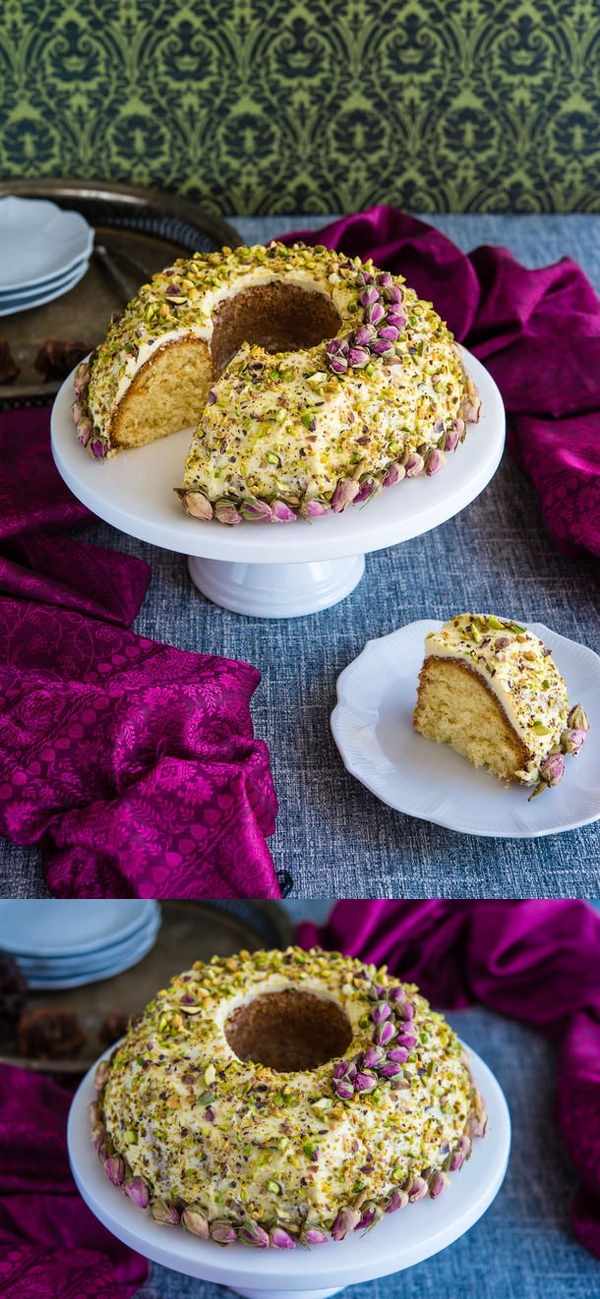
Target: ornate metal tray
<point>190,931</point>
<point>138,231</point>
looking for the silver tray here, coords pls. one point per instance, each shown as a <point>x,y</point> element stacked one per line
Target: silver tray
<point>138,232</point>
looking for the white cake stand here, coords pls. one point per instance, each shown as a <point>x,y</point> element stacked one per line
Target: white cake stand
<point>273,570</point>
<point>399,1241</point>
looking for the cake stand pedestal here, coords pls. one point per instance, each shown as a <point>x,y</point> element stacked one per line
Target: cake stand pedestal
<point>397,1242</point>
<point>263,569</point>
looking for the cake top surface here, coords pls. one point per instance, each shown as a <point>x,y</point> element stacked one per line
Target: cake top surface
<point>238,1136</point>
<point>518,668</point>
<point>390,383</point>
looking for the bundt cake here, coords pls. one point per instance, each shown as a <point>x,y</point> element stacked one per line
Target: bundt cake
<point>277,1098</point>
<point>490,689</point>
<point>312,380</point>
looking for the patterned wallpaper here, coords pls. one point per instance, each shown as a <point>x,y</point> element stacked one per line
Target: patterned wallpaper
<point>327,105</point>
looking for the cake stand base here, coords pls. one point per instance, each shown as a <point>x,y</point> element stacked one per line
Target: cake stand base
<point>276,590</point>
<point>286,1294</point>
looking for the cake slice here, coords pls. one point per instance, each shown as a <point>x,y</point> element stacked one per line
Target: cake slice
<point>490,688</point>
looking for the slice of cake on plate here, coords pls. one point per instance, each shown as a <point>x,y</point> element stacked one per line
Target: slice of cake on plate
<point>491,689</point>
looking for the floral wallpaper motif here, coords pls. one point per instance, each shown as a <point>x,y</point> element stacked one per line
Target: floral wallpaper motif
<point>318,105</point>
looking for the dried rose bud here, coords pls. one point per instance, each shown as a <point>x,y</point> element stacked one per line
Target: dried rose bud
<point>341,1069</point>
<point>417,1190</point>
<point>84,431</point>
<point>226,512</point>
<point>383,347</point>
<point>398,1055</point>
<point>390,1070</point>
<point>366,490</point>
<point>384,1033</point>
<point>365,335</point>
<point>254,1235</point>
<point>375,314</point>
<point>455,1161</point>
<point>393,293</point>
<point>358,357</point>
<point>281,1239</point>
<point>571,741</point>
<point>438,1184</point>
<point>137,1192</point>
<point>552,769</point>
<point>314,1236</point>
<point>373,1057</point>
<point>399,1200</point>
<point>114,1169</point>
<point>198,505</point>
<point>164,1212</point>
<point>434,462</point>
<point>344,1089</point>
<point>338,364</point>
<point>577,719</point>
<point>451,440</point>
<point>396,319</point>
<point>99,449</point>
<point>255,510</point>
<point>406,1011</point>
<point>368,297</point>
<point>385,279</point>
<point>365,1082</point>
<point>389,332</point>
<point>397,994</point>
<point>414,465</point>
<point>380,1011</point>
<point>344,494</point>
<point>223,1233</point>
<point>394,475</point>
<point>347,1220</point>
<point>282,512</point>
<point>313,509</point>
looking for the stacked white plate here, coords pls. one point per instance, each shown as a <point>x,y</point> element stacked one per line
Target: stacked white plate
<point>64,944</point>
<point>44,252</point>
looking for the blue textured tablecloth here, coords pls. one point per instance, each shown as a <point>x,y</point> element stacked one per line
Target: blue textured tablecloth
<point>523,1247</point>
<point>333,836</point>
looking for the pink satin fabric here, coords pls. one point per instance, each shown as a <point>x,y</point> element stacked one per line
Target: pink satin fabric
<point>132,764</point>
<point>51,1245</point>
<point>538,962</point>
<point>537,332</point>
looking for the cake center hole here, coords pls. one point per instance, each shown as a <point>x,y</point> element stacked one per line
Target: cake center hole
<point>289,1030</point>
<point>279,317</point>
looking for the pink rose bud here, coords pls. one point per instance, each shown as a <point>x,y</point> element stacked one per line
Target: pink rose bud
<point>577,719</point>
<point>380,1011</point>
<point>114,1169</point>
<point>282,512</point>
<point>254,1235</point>
<point>346,1221</point>
<point>571,741</point>
<point>394,475</point>
<point>438,1184</point>
<point>552,769</point>
<point>384,1033</point>
<point>314,1236</point>
<point>281,1239</point>
<point>196,1222</point>
<point>398,1201</point>
<point>414,465</point>
<point>344,494</point>
<point>137,1192</point>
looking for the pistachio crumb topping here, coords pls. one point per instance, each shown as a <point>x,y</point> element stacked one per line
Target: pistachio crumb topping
<point>237,1150</point>
<point>300,432</point>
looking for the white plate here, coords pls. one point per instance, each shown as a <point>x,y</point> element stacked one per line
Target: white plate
<point>107,971</point>
<point>372,727</point>
<point>397,1242</point>
<point>38,240</point>
<point>57,928</point>
<point>134,492</point>
<point>71,966</point>
<point>36,290</point>
<point>12,306</point>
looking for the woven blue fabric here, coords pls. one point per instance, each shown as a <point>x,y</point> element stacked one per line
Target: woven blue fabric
<point>333,837</point>
<point>523,1247</point>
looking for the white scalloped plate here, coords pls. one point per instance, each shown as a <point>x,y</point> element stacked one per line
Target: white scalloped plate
<point>39,240</point>
<point>372,727</point>
<point>399,1241</point>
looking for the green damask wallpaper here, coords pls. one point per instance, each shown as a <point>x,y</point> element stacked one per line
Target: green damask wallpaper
<point>327,105</point>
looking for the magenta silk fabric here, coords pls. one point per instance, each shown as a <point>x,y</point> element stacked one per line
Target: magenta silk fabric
<point>51,1245</point>
<point>537,332</point>
<point>131,763</point>
<point>537,961</point>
